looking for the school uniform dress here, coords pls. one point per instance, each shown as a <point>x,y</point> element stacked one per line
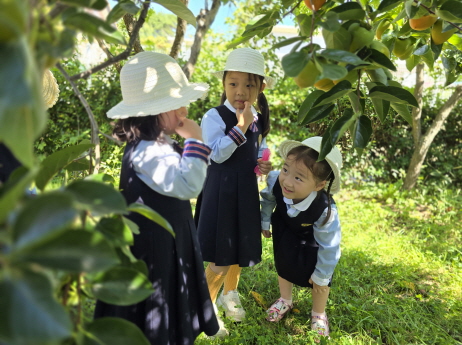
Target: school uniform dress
<point>228,211</point>
<point>155,174</point>
<point>303,247</point>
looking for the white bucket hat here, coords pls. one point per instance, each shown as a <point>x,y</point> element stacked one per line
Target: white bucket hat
<point>334,158</point>
<point>246,60</point>
<point>50,89</point>
<point>154,83</point>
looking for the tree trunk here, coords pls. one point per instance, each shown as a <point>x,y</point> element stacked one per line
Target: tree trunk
<point>204,21</point>
<point>179,35</point>
<point>423,144</point>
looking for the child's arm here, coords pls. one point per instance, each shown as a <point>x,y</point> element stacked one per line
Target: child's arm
<point>168,173</point>
<point>264,165</point>
<point>268,202</point>
<point>213,131</point>
<point>328,237</point>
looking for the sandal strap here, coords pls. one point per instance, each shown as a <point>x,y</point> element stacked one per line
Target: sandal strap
<point>324,318</point>
<point>274,308</point>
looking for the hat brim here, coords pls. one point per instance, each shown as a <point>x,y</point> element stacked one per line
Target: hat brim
<point>286,146</point>
<point>187,95</point>
<point>270,81</point>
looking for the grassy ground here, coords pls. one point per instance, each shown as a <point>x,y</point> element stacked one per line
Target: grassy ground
<point>399,280</point>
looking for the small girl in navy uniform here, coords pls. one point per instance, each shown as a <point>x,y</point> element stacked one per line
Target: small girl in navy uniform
<point>228,210</point>
<point>160,174</point>
<point>305,225</point>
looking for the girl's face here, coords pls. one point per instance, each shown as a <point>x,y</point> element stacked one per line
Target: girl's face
<point>170,120</point>
<point>297,181</point>
<point>241,87</point>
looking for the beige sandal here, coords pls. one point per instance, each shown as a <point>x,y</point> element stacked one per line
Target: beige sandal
<point>320,325</point>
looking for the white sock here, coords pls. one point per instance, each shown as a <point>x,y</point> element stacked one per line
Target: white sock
<point>288,301</point>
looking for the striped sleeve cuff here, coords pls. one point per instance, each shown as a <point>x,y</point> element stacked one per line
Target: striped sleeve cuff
<point>197,150</point>
<point>236,135</point>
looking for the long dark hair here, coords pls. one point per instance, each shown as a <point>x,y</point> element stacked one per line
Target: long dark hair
<point>262,103</point>
<point>321,171</point>
<point>137,128</point>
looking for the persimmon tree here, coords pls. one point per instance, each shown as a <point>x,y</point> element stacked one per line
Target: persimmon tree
<point>363,42</point>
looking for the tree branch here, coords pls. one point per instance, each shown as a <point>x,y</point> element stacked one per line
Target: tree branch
<point>105,49</point>
<point>179,35</point>
<point>417,112</point>
<point>130,24</point>
<point>125,53</point>
<point>204,21</point>
<point>93,123</point>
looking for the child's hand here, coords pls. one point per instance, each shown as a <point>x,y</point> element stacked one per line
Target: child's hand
<point>244,117</point>
<point>189,129</point>
<point>317,288</point>
<point>264,166</point>
<point>266,233</point>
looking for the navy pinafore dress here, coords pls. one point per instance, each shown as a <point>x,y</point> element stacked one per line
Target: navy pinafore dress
<point>294,246</point>
<point>228,209</point>
<point>180,308</point>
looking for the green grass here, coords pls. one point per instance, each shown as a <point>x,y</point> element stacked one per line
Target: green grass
<point>399,280</point>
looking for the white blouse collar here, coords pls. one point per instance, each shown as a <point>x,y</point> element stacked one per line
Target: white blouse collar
<point>304,204</point>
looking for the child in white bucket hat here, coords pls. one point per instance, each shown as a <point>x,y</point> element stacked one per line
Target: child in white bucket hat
<point>158,173</point>
<point>306,227</point>
<point>228,212</point>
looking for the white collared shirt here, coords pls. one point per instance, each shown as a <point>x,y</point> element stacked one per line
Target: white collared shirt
<point>213,133</point>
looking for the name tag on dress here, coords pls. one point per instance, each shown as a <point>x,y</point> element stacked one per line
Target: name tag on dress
<point>305,224</point>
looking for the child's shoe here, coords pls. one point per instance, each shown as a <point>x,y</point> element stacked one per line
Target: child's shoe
<point>222,331</point>
<point>232,305</point>
<point>277,310</point>
<point>320,325</point>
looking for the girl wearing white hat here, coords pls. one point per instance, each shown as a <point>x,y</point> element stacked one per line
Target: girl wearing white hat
<point>228,211</point>
<point>306,227</point>
<point>158,173</point>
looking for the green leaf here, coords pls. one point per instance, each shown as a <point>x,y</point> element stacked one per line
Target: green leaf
<point>304,23</point>
<point>72,250</point>
<point>12,191</point>
<point>41,217</point>
<point>386,5</point>
<point>30,313</point>
<point>422,50</point>
<point>121,286</point>
<point>307,105</point>
<point>403,111</point>
<point>120,9</point>
<point>94,26</point>
<point>293,63</point>
<point>429,59</point>
<point>179,9</point>
<point>381,59</point>
<point>342,56</point>
<point>98,198</point>
<point>339,39</point>
<point>362,132</point>
<point>288,41</point>
<point>381,107</point>
<point>326,145</point>
<point>95,4</point>
<point>113,331</point>
<point>22,112</point>
<point>331,22</point>
<point>152,215</point>
<point>358,103</point>
<point>132,225</point>
<point>115,231</point>
<point>412,61</point>
<point>51,165</point>
<point>341,89</point>
<point>104,178</point>
<point>331,71</point>
<point>393,94</point>
<point>341,125</point>
<point>349,11</point>
<point>234,43</point>
<point>450,11</point>
<point>318,113</point>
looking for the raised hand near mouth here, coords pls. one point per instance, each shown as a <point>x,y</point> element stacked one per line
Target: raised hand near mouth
<point>244,117</point>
